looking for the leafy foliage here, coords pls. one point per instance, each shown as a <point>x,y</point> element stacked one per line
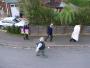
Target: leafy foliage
<point>75,12</point>
<point>66,16</point>
<point>80,3</point>
<point>36,12</point>
<point>83,16</point>
<point>13,30</point>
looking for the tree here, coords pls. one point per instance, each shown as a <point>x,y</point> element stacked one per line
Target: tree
<point>83,15</point>
<point>67,15</point>
<point>36,12</point>
<point>80,3</point>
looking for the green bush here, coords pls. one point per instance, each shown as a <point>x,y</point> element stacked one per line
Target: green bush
<point>13,30</point>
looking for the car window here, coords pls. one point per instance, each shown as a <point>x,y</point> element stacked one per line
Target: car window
<point>16,20</point>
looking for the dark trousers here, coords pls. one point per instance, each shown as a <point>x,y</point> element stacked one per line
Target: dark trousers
<point>49,36</point>
<point>26,37</point>
<point>40,52</point>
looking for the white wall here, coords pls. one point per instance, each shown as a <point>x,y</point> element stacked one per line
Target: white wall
<point>14,10</point>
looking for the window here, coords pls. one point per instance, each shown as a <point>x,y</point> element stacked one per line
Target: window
<point>16,20</point>
<point>12,5</point>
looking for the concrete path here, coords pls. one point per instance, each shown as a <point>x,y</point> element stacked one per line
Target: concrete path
<point>7,39</point>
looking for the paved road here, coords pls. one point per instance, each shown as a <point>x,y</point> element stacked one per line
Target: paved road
<point>62,57</point>
<point>62,40</point>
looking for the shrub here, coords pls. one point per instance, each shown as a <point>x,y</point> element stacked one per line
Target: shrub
<point>13,30</point>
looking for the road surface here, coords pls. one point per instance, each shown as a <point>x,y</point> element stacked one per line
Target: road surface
<point>57,57</point>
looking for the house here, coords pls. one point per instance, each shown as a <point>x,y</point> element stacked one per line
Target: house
<point>52,3</point>
<point>12,10</point>
<point>56,4</point>
<point>2,8</point>
<point>9,7</point>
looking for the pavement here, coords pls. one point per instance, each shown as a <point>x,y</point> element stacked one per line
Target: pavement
<point>11,40</point>
<point>18,53</point>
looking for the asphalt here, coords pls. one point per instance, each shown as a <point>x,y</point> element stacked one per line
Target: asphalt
<point>11,40</point>
<point>54,58</point>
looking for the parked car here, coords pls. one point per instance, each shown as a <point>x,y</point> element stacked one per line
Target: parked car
<point>10,21</point>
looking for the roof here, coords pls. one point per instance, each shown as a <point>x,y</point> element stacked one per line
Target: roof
<point>11,1</point>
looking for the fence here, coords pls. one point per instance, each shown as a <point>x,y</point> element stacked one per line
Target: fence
<point>58,30</point>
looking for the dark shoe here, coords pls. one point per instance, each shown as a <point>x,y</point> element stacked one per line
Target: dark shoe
<point>74,40</point>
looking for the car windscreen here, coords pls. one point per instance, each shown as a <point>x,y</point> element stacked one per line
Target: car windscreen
<point>16,20</point>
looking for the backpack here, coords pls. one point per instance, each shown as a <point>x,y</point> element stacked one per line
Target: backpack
<point>42,47</point>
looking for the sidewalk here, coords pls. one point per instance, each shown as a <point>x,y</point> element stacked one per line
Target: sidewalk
<point>62,40</point>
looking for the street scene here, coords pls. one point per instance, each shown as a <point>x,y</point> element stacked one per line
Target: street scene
<point>18,53</point>
<point>62,57</point>
<point>44,34</point>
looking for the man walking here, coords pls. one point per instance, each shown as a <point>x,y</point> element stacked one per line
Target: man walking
<point>49,32</point>
<point>40,47</point>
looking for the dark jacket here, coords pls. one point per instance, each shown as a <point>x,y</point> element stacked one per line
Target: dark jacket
<point>49,30</point>
<point>42,47</point>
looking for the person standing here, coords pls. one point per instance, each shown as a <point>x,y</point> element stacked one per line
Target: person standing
<point>49,32</point>
<point>75,34</point>
<point>40,47</point>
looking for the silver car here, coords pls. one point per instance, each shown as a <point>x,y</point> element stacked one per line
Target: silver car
<point>10,21</point>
